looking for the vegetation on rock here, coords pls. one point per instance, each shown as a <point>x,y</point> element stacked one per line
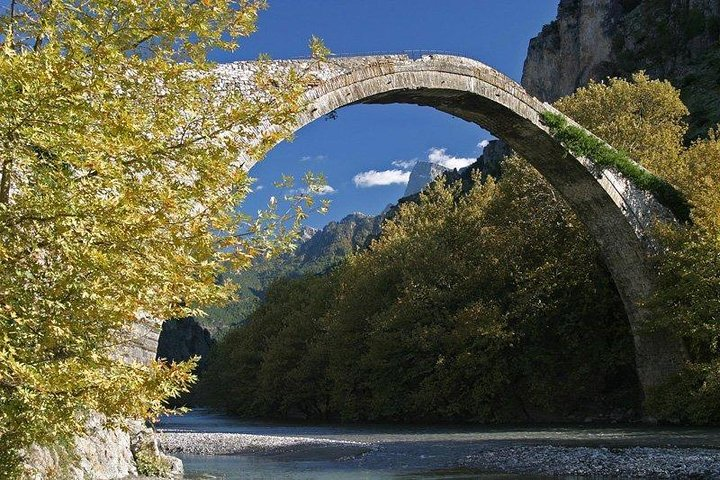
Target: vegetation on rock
<point>151,464</point>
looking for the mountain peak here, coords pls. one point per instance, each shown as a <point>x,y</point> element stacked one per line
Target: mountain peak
<point>421,175</point>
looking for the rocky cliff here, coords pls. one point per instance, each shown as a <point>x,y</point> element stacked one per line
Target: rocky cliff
<point>181,339</point>
<point>101,454</point>
<point>593,39</point>
<point>571,50</point>
<point>422,174</point>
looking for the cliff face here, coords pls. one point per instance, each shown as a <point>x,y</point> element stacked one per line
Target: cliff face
<point>421,175</point>
<point>593,39</point>
<point>101,454</point>
<point>181,339</point>
<point>571,50</point>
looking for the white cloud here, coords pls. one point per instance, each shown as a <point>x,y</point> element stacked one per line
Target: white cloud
<point>441,157</point>
<point>313,158</point>
<point>405,164</point>
<point>259,187</point>
<point>318,190</point>
<point>483,143</point>
<point>373,178</point>
<point>401,175</point>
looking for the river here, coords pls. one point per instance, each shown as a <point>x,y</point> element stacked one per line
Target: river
<point>300,451</point>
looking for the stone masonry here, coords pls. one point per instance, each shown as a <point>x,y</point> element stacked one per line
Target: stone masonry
<point>617,213</point>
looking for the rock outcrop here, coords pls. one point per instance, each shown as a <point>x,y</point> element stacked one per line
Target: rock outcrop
<point>101,454</point>
<point>490,162</point>
<point>421,175</point>
<point>571,50</point>
<point>184,338</point>
<point>593,39</point>
<point>180,340</point>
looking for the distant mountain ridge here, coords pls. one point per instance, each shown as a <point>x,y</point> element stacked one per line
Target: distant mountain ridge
<point>317,252</point>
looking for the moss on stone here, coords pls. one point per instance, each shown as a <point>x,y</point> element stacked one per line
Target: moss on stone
<point>580,142</point>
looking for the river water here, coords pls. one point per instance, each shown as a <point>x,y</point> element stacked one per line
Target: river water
<point>417,452</point>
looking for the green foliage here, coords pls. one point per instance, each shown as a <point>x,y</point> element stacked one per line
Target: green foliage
<point>580,142</point>
<point>318,48</point>
<point>692,396</point>
<point>150,464</point>
<point>119,187</point>
<point>274,367</point>
<point>456,312</point>
<point>645,118</point>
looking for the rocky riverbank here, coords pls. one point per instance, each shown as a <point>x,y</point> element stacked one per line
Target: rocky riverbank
<point>215,443</point>
<point>635,462</point>
<point>487,456</point>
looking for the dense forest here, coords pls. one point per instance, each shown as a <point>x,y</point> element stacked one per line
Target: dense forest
<point>491,303</point>
<point>317,252</point>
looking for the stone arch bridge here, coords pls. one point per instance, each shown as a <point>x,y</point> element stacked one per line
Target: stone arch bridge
<point>617,213</point>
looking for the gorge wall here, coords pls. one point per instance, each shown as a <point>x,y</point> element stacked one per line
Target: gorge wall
<point>594,39</point>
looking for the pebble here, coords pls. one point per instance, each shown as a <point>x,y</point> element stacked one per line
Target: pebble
<point>625,462</point>
<point>196,443</point>
<point>634,462</point>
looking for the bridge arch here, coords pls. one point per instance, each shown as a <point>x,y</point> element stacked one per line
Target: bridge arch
<point>616,212</point>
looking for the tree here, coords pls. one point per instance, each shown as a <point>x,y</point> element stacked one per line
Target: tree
<point>119,182</point>
<point>642,117</point>
<point>489,304</point>
<point>646,119</point>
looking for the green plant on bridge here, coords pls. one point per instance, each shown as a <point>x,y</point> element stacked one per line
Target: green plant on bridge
<point>582,143</point>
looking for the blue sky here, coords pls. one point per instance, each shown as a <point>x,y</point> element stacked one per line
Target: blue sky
<point>383,138</point>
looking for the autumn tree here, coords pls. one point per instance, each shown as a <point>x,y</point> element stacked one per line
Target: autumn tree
<point>489,304</point>
<point>120,174</point>
<point>645,118</point>
<point>642,117</point>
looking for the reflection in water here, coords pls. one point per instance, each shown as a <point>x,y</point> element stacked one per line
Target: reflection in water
<point>400,452</point>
